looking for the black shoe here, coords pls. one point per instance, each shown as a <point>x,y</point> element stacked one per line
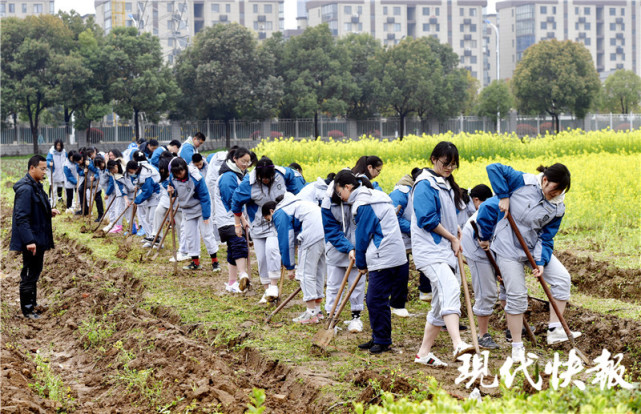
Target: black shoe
<point>486,342</point>
<point>77,213</point>
<point>215,266</point>
<point>367,345</point>
<point>461,327</point>
<point>98,220</point>
<point>378,349</point>
<point>32,315</point>
<point>508,335</point>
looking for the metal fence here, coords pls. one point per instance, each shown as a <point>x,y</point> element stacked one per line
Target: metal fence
<point>328,127</point>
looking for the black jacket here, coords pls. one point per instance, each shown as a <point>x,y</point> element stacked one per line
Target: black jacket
<point>31,216</point>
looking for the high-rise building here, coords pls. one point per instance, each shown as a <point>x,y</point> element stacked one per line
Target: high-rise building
<point>24,8</point>
<point>458,23</point>
<point>176,21</point>
<point>490,32</point>
<point>609,29</point>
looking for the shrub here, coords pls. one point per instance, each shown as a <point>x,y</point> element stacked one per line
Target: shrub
<point>336,133</point>
<point>255,135</point>
<point>95,136</point>
<point>275,134</point>
<point>375,133</point>
<point>525,129</point>
<point>622,126</point>
<point>546,127</point>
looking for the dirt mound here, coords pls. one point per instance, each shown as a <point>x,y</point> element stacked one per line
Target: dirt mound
<point>108,352</point>
<point>600,279</point>
<point>374,383</point>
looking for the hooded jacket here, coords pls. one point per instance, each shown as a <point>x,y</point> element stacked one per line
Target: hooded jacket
<point>314,192</point>
<point>379,244</point>
<point>193,195</point>
<point>230,178</point>
<point>537,219</point>
<point>55,162</point>
<point>253,193</point>
<point>71,174</point>
<point>400,197</point>
<point>187,149</point>
<point>31,222</point>
<point>486,218</point>
<point>432,200</point>
<point>294,218</point>
<point>148,184</point>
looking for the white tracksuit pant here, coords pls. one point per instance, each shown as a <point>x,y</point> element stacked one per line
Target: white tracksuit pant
<point>446,292</point>
<point>311,270</point>
<point>193,229</point>
<point>268,257</point>
<point>335,276</point>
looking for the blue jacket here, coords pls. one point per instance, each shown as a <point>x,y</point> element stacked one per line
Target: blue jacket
<point>537,218</point>
<point>228,182</point>
<point>55,162</point>
<point>187,149</point>
<point>155,157</point>
<point>31,221</point>
<point>193,195</point>
<point>70,175</point>
<point>486,218</point>
<point>400,198</point>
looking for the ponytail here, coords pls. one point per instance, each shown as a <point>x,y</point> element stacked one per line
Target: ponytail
<point>558,174</point>
<point>450,152</point>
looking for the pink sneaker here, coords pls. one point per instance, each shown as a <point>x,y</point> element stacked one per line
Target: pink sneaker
<point>306,318</point>
<point>116,229</point>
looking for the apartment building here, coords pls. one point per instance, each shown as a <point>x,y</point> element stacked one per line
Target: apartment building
<point>458,23</point>
<point>608,29</point>
<point>490,64</point>
<point>24,8</point>
<point>176,21</point>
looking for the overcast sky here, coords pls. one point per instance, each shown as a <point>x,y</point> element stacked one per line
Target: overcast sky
<point>86,7</point>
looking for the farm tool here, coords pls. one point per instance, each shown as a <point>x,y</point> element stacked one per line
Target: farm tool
<point>497,271</point>
<point>282,305</point>
<point>468,303</point>
<point>170,222</point>
<point>93,192</point>
<point>173,237</point>
<point>132,224</point>
<point>545,287</point>
<point>325,336</point>
<point>105,213</point>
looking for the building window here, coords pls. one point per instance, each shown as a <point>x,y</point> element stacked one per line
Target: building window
<point>52,7</point>
<point>268,8</point>
<point>586,11</point>
<point>426,27</point>
<point>129,23</point>
<point>255,8</point>
<point>397,11</point>
<point>227,8</point>
<point>170,42</point>
<point>462,11</point>
<point>622,11</point>
<point>108,23</point>
<point>426,11</point>
<point>462,44</point>
<point>473,59</point>
<point>397,27</point>
<point>586,26</point>
<point>613,41</point>
<point>473,12</point>
<point>613,56</point>
<point>12,8</point>
<point>462,28</point>
<point>348,10</point>
<point>3,9</point>
<point>170,25</point>
<point>613,26</point>
<point>576,11</point>
<point>170,7</point>
<point>438,12</point>
<point>544,26</point>
<point>473,28</point>
<point>587,41</point>
<point>37,8</point>
<point>553,9</point>
<point>170,59</point>
<point>215,8</point>
<point>544,10</point>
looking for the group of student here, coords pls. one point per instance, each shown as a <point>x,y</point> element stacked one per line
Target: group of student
<point>343,223</point>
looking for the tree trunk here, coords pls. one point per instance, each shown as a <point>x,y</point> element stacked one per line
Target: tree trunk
<point>556,122</point>
<point>227,133</point>
<point>401,127</point>
<point>136,125</point>
<point>15,125</point>
<point>88,135</point>
<point>67,124</point>
<point>623,111</point>
<point>316,132</point>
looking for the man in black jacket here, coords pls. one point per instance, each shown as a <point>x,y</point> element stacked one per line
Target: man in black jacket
<point>31,231</point>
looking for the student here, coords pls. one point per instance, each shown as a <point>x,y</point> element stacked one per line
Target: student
<point>195,206</point>
<point>536,204</point>
<point>71,180</point>
<point>147,179</point>
<point>131,148</point>
<point>56,158</point>
<point>300,222</point>
<point>435,248</point>
<point>172,147</point>
<point>339,229</point>
<point>103,176</point>
<point>264,184</point>
<point>315,191</point>
<point>472,199</point>
<point>370,166</point>
<point>148,148</point>
<point>232,173</point>
<point>199,163</point>
<point>94,178</point>
<point>114,154</point>
<point>400,199</point>
<point>483,275</point>
<point>80,165</point>
<point>298,172</point>
<point>379,249</point>
<point>190,147</point>
<point>163,201</point>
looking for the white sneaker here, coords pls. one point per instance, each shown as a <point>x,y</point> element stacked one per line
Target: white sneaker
<point>558,335</point>
<point>107,227</point>
<point>430,360</point>
<point>401,312</point>
<point>306,318</point>
<point>355,325</point>
<point>233,288</point>
<point>147,244</point>
<point>244,283</point>
<point>180,257</point>
<point>263,299</point>
<point>462,348</point>
<point>425,297</point>
<point>271,291</point>
<point>518,353</point>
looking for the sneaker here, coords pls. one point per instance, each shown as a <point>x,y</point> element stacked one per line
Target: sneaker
<point>508,334</point>
<point>462,348</point>
<point>355,325</point>
<point>430,360</point>
<point>558,335</point>
<point>320,315</point>
<point>306,318</point>
<point>263,299</point>
<point>32,315</point>
<point>192,266</point>
<point>425,297</point>
<point>233,288</point>
<point>367,345</point>
<point>116,230</point>
<point>146,239</point>
<point>378,349</point>
<point>147,244</point>
<point>271,291</point>
<point>179,257</point>
<point>518,353</point>
<point>486,342</point>
<point>400,312</point>
<point>215,266</point>
<point>97,220</point>
<point>140,232</point>
<point>244,282</point>
<point>107,228</point>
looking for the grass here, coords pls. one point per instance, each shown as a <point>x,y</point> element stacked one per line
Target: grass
<point>48,385</point>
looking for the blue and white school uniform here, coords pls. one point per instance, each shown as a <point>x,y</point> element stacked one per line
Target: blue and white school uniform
<point>230,178</point>
<point>483,274</point>
<point>538,220</point>
<point>340,237</point>
<point>56,162</point>
<point>380,249</point>
<point>126,154</point>
<point>314,192</point>
<point>148,196</point>
<point>433,204</point>
<point>187,150</point>
<point>71,183</point>
<point>195,205</point>
<point>252,193</point>
<point>464,214</point>
<point>400,198</point>
<point>214,162</point>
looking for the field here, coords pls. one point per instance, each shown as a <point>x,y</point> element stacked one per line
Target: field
<point>131,335</point>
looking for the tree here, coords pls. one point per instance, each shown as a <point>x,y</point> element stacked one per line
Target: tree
<point>622,91</point>
<point>140,82</point>
<point>362,49</point>
<point>495,99</point>
<point>555,77</point>
<point>33,51</point>
<point>317,77</point>
<point>223,76</point>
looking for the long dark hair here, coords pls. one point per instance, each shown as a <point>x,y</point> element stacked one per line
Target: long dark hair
<point>55,145</point>
<point>238,152</point>
<point>363,162</point>
<point>178,165</point>
<point>265,169</point>
<point>114,163</point>
<point>450,152</point>
<point>347,177</point>
<point>559,174</point>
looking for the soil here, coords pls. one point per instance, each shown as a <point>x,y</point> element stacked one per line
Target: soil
<point>150,345</point>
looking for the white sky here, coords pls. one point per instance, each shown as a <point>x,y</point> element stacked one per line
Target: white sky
<point>86,7</point>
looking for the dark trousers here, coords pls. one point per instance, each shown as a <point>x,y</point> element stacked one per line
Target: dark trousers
<point>379,289</point>
<point>97,201</point>
<point>31,269</point>
<point>399,290</point>
<point>99,204</point>
<point>69,197</point>
<point>424,284</point>
<point>236,246</point>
